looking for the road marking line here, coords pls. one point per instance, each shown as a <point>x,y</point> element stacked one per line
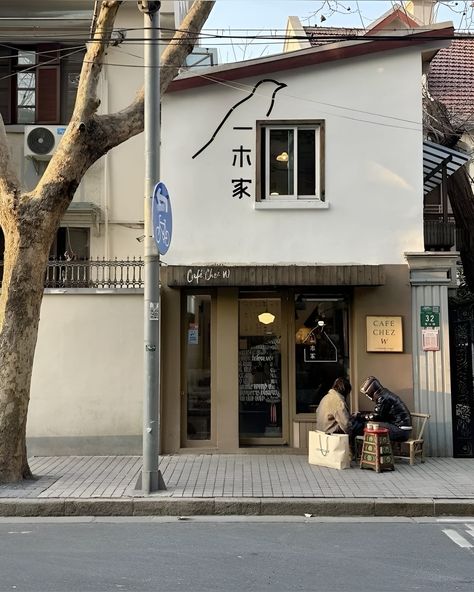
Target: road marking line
<point>457,538</point>
<point>469,530</point>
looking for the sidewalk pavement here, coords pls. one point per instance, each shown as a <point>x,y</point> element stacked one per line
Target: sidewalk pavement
<point>239,484</point>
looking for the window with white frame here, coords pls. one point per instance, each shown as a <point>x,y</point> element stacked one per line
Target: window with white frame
<point>290,165</point>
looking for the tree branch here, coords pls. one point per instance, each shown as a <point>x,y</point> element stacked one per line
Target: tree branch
<point>89,136</point>
<point>74,155</point>
<point>86,99</point>
<point>129,122</point>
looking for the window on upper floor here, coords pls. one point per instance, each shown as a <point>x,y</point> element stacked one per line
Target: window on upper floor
<point>70,246</point>
<point>291,161</point>
<point>38,84</point>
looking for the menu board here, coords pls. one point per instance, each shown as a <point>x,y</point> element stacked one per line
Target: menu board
<point>259,372</point>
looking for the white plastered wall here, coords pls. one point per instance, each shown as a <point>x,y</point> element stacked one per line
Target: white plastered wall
<point>88,370</point>
<point>373,155</point>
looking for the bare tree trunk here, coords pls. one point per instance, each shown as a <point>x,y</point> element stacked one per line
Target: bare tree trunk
<point>27,248</point>
<point>30,220</point>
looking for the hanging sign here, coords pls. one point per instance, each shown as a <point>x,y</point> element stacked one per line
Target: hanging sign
<point>162,218</point>
<point>193,334</point>
<point>429,316</point>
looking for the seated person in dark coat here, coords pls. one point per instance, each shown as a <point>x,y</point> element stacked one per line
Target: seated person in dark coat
<point>390,411</point>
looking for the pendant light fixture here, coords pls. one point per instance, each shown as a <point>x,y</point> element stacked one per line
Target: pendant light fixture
<point>266,318</point>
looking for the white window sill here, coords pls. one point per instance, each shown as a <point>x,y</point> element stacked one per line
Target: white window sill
<point>291,204</point>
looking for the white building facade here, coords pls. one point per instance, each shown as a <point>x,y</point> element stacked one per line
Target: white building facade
<point>297,190</point>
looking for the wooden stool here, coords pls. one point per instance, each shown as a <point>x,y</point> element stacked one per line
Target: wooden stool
<point>376,450</point>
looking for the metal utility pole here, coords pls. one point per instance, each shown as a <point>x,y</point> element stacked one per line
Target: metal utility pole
<point>151,475</point>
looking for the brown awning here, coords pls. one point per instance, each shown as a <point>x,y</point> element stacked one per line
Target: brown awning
<point>275,275</point>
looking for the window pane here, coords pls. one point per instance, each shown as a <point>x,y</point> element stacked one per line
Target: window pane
<point>306,162</point>
<point>70,74</point>
<point>198,367</point>
<point>5,82</point>
<point>260,399</point>
<point>26,115</point>
<point>71,244</point>
<point>320,348</point>
<point>263,152</point>
<point>26,80</point>
<point>26,98</point>
<point>281,155</point>
<point>26,58</point>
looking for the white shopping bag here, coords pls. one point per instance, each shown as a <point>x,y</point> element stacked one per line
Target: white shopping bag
<point>329,450</point>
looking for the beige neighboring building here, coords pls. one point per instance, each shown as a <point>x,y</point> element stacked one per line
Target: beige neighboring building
<point>297,255</point>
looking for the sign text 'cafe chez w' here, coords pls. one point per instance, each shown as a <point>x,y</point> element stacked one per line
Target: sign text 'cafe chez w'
<point>384,334</point>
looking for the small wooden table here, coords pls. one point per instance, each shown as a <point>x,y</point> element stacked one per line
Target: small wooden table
<point>376,450</point>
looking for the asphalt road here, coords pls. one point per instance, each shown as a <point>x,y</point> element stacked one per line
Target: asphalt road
<point>199,554</point>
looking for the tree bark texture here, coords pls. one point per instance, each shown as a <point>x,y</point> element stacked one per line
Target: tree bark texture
<point>30,220</point>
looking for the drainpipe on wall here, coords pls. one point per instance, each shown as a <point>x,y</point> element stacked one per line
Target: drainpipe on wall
<point>105,103</point>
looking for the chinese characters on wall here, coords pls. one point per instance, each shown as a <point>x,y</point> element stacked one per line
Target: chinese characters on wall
<point>241,156</point>
<point>242,161</point>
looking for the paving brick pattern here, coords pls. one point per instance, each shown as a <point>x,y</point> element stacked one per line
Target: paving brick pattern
<point>242,476</point>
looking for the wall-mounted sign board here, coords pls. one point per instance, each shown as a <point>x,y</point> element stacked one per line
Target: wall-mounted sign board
<point>429,316</point>
<point>430,339</point>
<point>384,334</point>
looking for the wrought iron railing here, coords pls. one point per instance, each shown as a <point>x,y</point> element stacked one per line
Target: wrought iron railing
<point>95,273</point>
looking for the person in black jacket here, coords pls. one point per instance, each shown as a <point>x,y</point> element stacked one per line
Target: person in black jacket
<point>390,411</point>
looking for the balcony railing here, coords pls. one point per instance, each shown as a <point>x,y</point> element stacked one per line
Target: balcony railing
<point>439,234</point>
<point>97,273</point>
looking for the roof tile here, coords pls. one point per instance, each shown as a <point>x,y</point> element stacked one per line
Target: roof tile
<point>451,76</point>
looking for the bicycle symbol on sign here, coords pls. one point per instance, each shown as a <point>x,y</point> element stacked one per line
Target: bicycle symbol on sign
<point>162,234</point>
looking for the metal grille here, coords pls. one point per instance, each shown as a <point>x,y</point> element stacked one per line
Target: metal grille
<point>462,378</point>
<point>439,234</point>
<point>97,273</point>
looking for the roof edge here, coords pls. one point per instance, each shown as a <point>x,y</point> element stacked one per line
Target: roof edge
<point>308,57</point>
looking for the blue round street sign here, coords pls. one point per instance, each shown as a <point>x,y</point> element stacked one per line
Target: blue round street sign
<point>162,218</point>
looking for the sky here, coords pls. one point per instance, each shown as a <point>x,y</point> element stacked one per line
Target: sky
<point>260,16</point>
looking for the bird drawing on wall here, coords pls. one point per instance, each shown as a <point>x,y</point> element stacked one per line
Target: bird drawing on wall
<point>266,81</point>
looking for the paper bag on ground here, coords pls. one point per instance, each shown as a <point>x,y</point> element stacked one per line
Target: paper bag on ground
<point>329,450</point>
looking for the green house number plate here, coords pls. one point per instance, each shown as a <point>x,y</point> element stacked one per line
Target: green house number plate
<point>429,316</point>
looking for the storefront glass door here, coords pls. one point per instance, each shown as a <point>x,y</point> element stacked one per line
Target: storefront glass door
<point>261,409</point>
<point>197,371</point>
<point>321,348</point>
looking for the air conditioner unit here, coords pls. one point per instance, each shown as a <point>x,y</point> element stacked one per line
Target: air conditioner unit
<point>42,140</point>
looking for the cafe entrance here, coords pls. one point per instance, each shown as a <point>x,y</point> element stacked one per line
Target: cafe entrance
<point>259,346</point>
<point>262,386</point>
<point>292,346</point>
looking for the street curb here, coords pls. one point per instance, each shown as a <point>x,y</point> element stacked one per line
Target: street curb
<point>164,506</point>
